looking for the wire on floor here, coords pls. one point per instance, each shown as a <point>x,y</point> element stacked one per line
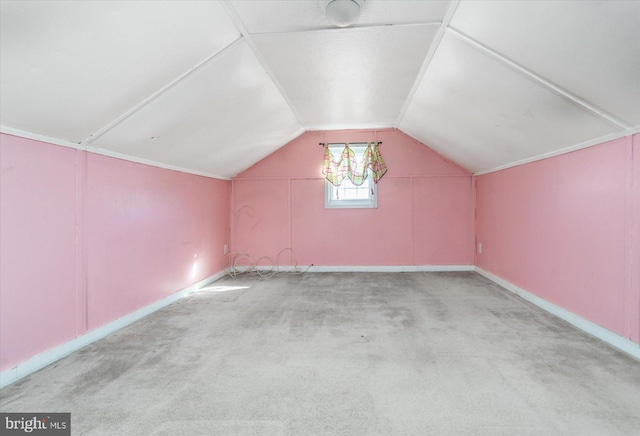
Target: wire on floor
<point>240,263</point>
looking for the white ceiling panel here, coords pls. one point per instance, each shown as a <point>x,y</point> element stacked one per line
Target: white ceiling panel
<point>482,114</point>
<point>347,78</point>
<point>261,16</point>
<point>219,120</point>
<point>215,86</point>
<point>69,68</point>
<point>590,48</point>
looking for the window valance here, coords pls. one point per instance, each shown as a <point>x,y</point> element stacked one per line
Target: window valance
<point>350,167</point>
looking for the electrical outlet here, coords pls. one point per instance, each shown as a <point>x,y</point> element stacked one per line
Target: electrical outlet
<point>226,248</point>
<point>479,247</point>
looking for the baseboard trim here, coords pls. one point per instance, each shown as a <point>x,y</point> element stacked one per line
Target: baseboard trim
<point>43,359</point>
<point>611,338</point>
<point>393,268</point>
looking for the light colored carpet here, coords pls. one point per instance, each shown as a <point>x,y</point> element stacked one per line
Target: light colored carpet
<point>342,354</point>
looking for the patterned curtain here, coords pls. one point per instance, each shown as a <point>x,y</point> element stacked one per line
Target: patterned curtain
<point>349,167</point>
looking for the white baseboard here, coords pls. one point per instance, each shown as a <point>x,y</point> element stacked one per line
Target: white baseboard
<point>611,338</point>
<point>43,359</point>
<point>398,268</point>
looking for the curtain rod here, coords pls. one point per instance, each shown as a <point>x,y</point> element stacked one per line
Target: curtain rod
<point>323,144</point>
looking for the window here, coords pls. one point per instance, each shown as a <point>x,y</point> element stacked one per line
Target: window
<point>347,194</point>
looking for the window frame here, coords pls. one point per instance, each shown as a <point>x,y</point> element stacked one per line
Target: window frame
<point>329,188</point>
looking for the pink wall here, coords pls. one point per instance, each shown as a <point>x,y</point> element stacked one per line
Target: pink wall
<point>566,229</point>
<point>633,245</point>
<point>424,214</point>
<point>38,303</point>
<point>86,239</point>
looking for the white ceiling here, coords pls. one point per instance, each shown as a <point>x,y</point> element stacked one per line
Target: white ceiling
<point>213,87</point>
<point>347,78</point>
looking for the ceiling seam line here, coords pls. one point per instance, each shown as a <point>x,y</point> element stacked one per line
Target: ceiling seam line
<point>265,66</point>
<point>582,145</point>
<point>601,113</point>
<point>348,29</point>
<point>87,141</point>
<point>357,127</point>
<point>428,58</point>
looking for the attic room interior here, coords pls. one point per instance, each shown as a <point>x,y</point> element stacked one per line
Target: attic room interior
<point>320,217</point>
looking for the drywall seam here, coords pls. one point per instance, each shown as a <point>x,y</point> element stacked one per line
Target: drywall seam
<point>474,201</point>
<point>376,129</point>
<point>61,142</point>
<point>45,358</point>
<point>290,219</point>
<point>437,39</point>
<point>226,260</point>
<point>628,311</point>
<point>634,236</point>
<point>82,309</point>
<point>202,64</point>
<point>261,59</point>
<point>348,127</point>
<point>572,98</point>
<point>411,217</point>
<point>583,324</point>
<point>350,29</point>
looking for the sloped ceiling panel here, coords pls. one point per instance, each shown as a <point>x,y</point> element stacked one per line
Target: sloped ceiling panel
<point>70,68</point>
<point>589,48</point>
<point>482,114</point>
<point>261,16</point>
<point>219,120</point>
<point>213,87</point>
<point>348,78</point>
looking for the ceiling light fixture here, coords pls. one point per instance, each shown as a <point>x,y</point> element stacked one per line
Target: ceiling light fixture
<point>343,13</point>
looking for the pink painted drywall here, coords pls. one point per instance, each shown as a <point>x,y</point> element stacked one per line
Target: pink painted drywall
<point>633,257</point>
<point>560,228</point>
<point>379,236</point>
<point>157,231</point>
<point>37,248</point>
<point>442,203</point>
<point>87,239</point>
<point>424,213</point>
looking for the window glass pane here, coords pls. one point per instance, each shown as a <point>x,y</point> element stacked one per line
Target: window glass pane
<point>347,191</point>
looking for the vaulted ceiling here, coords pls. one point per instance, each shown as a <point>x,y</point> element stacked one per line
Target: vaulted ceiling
<point>213,87</point>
